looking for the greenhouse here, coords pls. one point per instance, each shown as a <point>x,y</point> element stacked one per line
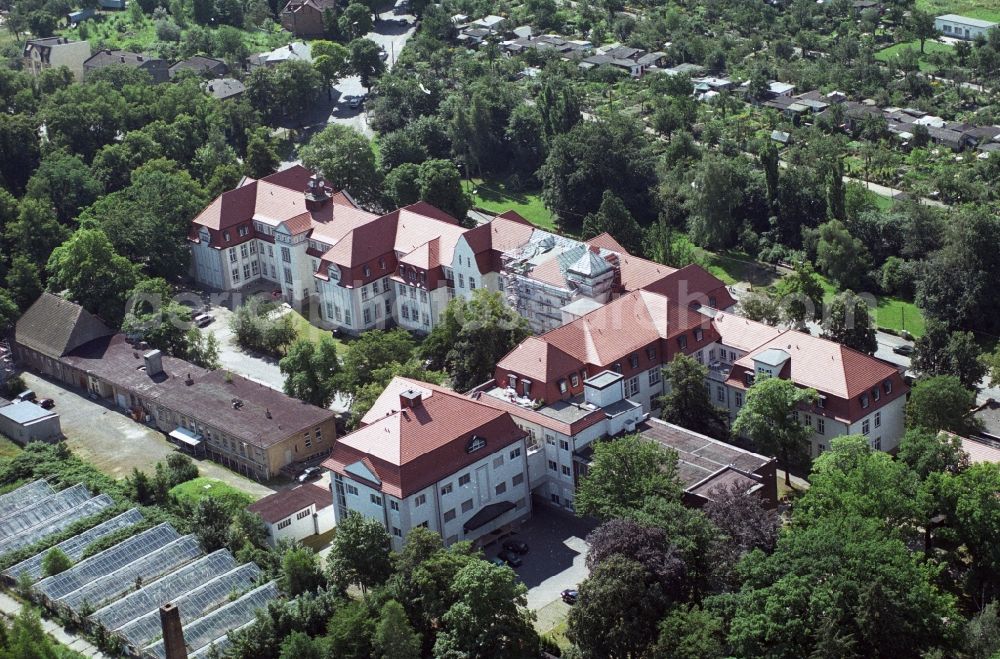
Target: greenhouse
<point>56,524</point>
<point>41,510</point>
<point>23,497</point>
<point>142,631</point>
<point>75,546</point>
<point>167,589</point>
<point>123,586</point>
<point>144,568</point>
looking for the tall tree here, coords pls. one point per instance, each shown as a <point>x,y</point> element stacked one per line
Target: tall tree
<point>839,255</point>
<point>623,474</point>
<point>346,159</point>
<point>940,352</point>
<point>713,220</point>
<point>928,452</point>
<point>262,158</point>
<point>95,276</point>
<point>617,611</point>
<point>489,618</point>
<point>848,322</point>
<point>23,281</point>
<point>394,637</point>
<point>801,295</point>
<point>366,60</point>
<point>35,232</point>
<point>941,403</point>
<point>300,571</point>
<point>440,185</point>
<point>921,24</point>
<point>613,217</point>
<point>360,553</point>
<point>310,371</point>
<point>769,418</point>
<point>687,402</point>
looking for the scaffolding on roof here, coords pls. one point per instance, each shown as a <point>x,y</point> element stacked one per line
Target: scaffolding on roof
<point>42,510</point>
<point>143,568</point>
<point>75,546</point>
<point>168,588</point>
<point>194,604</point>
<point>106,562</point>
<point>218,623</point>
<point>56,524</point>
<point>24,496</point>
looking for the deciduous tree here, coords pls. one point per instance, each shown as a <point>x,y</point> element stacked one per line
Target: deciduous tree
<point>624,474</point>
<point>346,159</point>
<point>360,553</point>
<point>941,403</point>
<point>94,275</point>
<point>848,322</point>
<point>687,402</point>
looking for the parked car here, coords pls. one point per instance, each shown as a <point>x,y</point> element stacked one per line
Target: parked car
<point>569,595</point>
<point>204,319</point>
<point>46,403</point>
<point>510,558</point>
<point>382,55</point>
<point>353,101</point>
<point>906,350</point>
<point>310,473</point>
<point>27,395</point>
<point>516,546</point>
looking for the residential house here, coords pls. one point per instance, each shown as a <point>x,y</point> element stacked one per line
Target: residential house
<point>295,514</point>
<point>963,27</point>
<point>244,425</point>
<point>157,69</point>
<point>224,88</point>
<point>53,52</point>
<point>297,51</point>
<point>305,18</point>
<point>427,456</point>
<point>209,67</point>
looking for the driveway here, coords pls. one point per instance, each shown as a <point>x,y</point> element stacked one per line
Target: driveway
<point>115,444</point>
<point>557,554</point>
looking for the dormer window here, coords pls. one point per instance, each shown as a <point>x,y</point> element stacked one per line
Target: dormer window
<point>651,353</point>
<point>225,236</point>
<point>563,386</point>
<point>712,302</point>
<point>821,401</point>
<point>864,401</point>
<point>574,380</point>
<point>618,367</point>
<point>682,341</point>
<point>475,443</point>
<point>243,230</point>
<point>748,378</point>
<point>876,394</point>
<point>381,264</point>
<point>887,385</point>
<point>334,273</point>
<point>699,334</point>
<point>526,384</point>
<point>633,360</point>
<point>367,271</point>
<point>512,381</point>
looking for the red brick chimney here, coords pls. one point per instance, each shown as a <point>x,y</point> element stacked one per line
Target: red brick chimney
<point>173,634</point>
<point>316,194</point>
<point>410,399</point>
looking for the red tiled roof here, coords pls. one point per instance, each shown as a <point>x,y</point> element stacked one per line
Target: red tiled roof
<point>608,242</point>
<point>280,505</point>
<point>742,333</point>
<point>299,224</point>
<point>549,272</point>
<point>413,448</point>
<point>639,273</point>
<point>693,284</point>
<point>539,360</point>
<point>506,233</point>
<point>825,365</point>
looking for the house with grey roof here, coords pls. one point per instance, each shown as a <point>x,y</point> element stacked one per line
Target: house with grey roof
<point>157,69</point>
<point>962,27</point>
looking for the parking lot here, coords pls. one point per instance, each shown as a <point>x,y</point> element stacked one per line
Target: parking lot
<point>556,558</point>
<point>114,443</point>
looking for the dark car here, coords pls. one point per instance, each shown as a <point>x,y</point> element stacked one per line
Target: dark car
<point>310,473</point>
<point>46,403</point>
<point>510,558</point>
<point>516,546</point>
<point>569,595</point>
<point>905,350</point>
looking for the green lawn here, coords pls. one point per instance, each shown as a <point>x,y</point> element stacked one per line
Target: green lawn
<point>987,10</point>
<point>929,47</point>
<point>307,330</point>
<point>897,314</point>
<point>200,488</point>
<point>732,267</point>
<point>494,197</point>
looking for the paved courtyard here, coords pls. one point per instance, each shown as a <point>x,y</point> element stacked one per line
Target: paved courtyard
<point>556,559</point>
<point>116,444</point>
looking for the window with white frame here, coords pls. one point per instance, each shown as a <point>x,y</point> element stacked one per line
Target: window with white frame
<point>553,466</point>
<point>878,419</point>
<point>654,376</point>
<point>351,490</point>
<point>447,489</point>
<point>376,499</point>
<point>632,386</point>
<point>516,453</point>
<point>566,471</point>
<point>865,427</point>
<point>464,479</point>
<point>564,444</point>
<point>285,523</point>
<point>821,426</point>
<point>420,500</point>
<point>498,462</point>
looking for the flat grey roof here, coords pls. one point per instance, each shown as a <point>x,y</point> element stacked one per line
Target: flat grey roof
<point>603,379</point>
<point>25,413</point>
<point>965,20</point>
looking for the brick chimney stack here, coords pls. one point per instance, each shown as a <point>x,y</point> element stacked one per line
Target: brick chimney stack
<point>173,634</point>
<point>410,399</point>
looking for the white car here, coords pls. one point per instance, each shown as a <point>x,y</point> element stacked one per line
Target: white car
<point>204,319</point>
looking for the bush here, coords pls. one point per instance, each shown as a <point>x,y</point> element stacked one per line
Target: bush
<point>55,561</point>
<point>12,387</point>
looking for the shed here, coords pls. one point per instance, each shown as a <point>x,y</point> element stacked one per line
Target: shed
<point>27,422</point>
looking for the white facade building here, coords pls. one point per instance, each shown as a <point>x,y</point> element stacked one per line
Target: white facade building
<point>295,514</point>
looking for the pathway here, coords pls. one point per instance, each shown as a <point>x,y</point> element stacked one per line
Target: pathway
<point>10,607</point>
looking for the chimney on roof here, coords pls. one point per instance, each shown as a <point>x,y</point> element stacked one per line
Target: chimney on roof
<point>410,399</point>
<point>316,194</point>
<point>154,362</point>
<point>267,413</point>
<point>189,380</point>
<point>173,633</point>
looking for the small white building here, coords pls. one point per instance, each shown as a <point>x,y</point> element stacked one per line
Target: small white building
<point>962,27</point>
<point>25,422</point>
<point>428,456</point>
<point>296,514</point>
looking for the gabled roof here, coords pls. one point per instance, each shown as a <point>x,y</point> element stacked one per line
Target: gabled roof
<point>824,365</point>
<point>276,507</point>
<point>409,449</point>
<point>539,360</point>
<point>742,333</point>
<point>54,326</point>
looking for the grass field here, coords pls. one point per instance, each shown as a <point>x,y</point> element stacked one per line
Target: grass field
<point>307,330</point>
<point>496,198</point>
<point>893,51</point>
<point>891,313</point>
<point>732,267</point>
<point>200,488</point>
<point>987,10</point>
